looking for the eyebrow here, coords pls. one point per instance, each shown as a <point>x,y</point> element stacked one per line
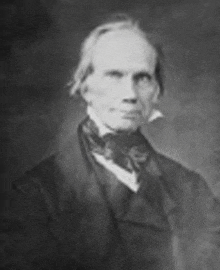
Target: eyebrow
<point>114,72</point>
<point>141,73</point>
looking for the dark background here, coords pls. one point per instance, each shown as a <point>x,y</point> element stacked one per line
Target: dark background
<point>39,45</point>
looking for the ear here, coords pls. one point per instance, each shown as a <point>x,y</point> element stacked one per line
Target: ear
<point>156,94</point>
<point>85,93</point>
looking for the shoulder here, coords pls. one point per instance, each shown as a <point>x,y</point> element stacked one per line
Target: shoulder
<point>190,190</point>
<point>50,165</point>
<point>37,183</point>
<point>54,172</point>
<point>180,179</point>
<point>174,169</point>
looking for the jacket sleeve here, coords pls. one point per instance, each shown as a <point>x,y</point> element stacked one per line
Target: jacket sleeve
<point>199,229</point>
<point>26,241</point>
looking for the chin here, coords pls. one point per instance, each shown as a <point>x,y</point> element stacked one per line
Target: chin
<point>124,125</point>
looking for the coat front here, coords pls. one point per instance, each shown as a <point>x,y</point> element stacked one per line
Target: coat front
<point>58,216</point>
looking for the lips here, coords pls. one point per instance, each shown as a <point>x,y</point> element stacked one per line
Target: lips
<point>130,114</point>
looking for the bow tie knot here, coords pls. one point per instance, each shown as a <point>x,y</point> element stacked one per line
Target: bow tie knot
<point>128,150</point>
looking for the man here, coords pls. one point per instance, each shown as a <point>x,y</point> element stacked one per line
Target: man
<point>107,199</point>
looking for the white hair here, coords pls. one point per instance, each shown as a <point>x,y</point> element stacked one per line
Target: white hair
<point>85,67</point>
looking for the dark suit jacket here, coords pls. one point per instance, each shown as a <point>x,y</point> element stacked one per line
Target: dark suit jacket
<point>57,216</point>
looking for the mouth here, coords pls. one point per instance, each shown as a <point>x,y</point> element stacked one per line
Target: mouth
<point>132,114</point>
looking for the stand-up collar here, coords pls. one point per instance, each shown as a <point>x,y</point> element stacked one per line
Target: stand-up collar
<point>103,130</point>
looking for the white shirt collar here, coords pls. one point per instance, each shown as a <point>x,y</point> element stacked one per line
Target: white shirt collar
<point>155,114</point>
<point>126,178</point>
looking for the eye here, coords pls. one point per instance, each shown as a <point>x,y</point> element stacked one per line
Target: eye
<point>142,78</point>
<point>114,74</point>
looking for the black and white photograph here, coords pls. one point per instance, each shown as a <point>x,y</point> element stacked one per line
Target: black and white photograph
<point>110,135</point>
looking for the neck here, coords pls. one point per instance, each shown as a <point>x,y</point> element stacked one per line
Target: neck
<point>103,129</point>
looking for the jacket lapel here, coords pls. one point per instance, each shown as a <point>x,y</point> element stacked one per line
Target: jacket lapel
<point>97,233</point>
<point>154,171</point>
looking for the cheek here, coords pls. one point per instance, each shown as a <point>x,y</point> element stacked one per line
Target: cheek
<point>147,100</point>
<point>100,92</point>
<point>146,97</point>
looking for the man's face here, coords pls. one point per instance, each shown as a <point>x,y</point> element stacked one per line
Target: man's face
<point>122,88</point>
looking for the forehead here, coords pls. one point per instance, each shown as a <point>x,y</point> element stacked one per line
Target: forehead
<point>124,50</point>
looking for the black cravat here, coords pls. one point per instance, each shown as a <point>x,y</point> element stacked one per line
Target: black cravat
<point>128,150</point>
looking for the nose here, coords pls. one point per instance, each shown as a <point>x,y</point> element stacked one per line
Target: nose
<point>129,93</point>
